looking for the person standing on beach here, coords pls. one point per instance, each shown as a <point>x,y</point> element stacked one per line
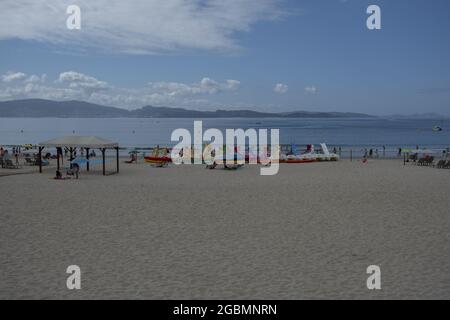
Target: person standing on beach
<point>365,157</point>
<point>75,170</point>
<point>16,157</point>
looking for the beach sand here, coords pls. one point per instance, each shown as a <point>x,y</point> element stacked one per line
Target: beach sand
<point>184,232</point>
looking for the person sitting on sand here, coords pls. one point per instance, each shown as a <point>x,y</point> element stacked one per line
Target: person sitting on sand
<point>214,164</point>
<point>133,158</point>
<point>74,170</point>
<point>365,158</point>
<point>58,175</point>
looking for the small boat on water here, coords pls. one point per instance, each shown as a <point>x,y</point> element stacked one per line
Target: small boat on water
<point>437,128</point>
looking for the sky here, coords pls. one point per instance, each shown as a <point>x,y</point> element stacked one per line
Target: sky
<point>265,55</point>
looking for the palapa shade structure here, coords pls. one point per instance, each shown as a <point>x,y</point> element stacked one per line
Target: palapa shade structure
<point>73,142</point>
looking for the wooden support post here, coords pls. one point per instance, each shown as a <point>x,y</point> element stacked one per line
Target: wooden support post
<point>104,161</point>
<point>117,154</point>
<point>87,158</point>
<point>40,159</point>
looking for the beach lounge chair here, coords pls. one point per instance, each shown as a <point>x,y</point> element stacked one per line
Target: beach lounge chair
<point>413,157</point>
<point>440,164</point>
<point>427,161</point>
<point>446,165</point>
<point>133,158</point>
<point>10,165</point>
<point>233,167</point>
<point>44,162</point>
<point>161,164</point>
<point>30,162</point>
<point>211,166</point>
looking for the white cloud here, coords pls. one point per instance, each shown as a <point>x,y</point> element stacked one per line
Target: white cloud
<point>281,88</point>
<point>139,27</point>
<point>233,84</point>
<point>13,76</point>
<point>205,86</point>
<point>209,86</point>
<point>311,89</point>
<point>87,84</point>
<point>72,85</point>
<point>36,79</point>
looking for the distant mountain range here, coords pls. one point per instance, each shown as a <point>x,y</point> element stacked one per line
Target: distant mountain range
<point>39,108</point>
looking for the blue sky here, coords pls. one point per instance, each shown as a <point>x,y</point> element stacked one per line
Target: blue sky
<point>267,55</point>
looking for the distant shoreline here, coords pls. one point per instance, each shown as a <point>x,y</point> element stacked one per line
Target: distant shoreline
<point>39,108</point>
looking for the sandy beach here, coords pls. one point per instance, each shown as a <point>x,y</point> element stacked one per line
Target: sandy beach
<point>184,232</point>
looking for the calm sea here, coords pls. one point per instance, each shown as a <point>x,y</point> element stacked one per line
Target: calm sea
<point>149,132</point>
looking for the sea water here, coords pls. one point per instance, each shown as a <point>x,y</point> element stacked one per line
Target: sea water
<point>148,132</point>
